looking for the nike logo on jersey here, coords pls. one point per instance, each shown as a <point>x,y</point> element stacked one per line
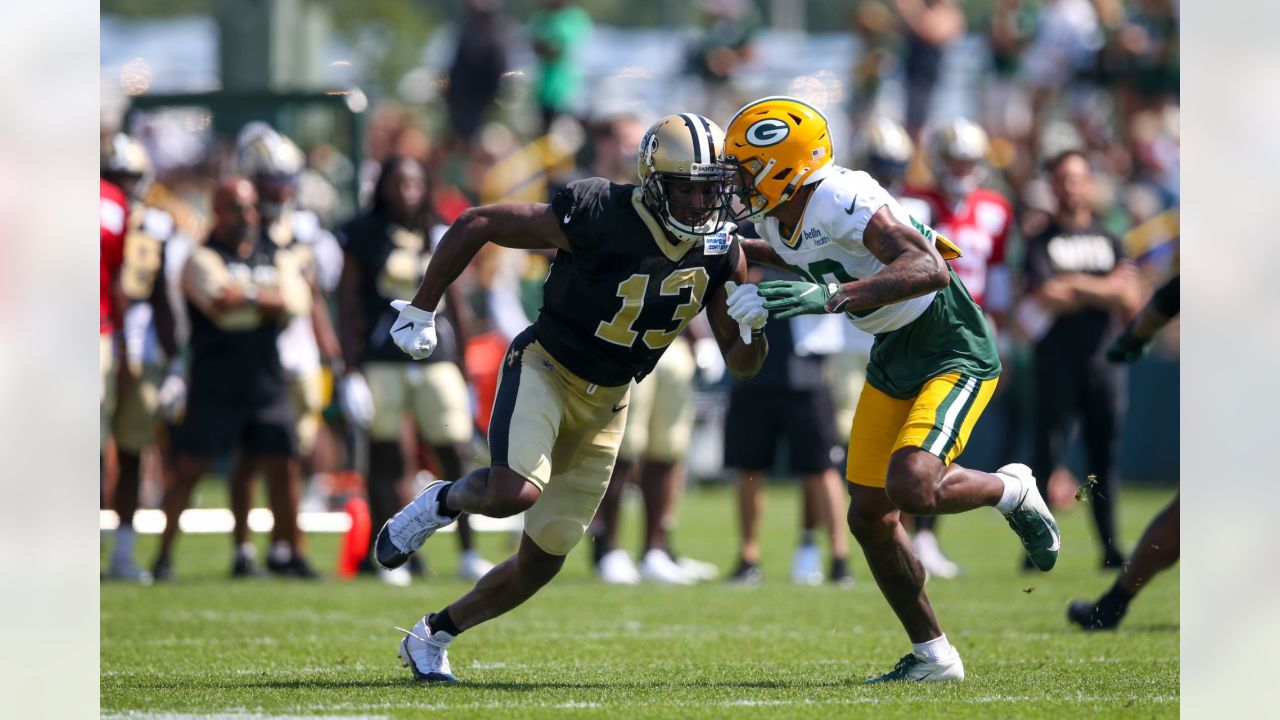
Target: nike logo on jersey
<point>849,210</point>
<point>408,325</point>
<point>619,408</point>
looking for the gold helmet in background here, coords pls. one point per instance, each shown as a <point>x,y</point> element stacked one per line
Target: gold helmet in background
<point>262,151</point>
<point>124,160</point>
<point>777,145</point>
<point>685,148</point>
<point>886,149</point>
<point>957,151</point>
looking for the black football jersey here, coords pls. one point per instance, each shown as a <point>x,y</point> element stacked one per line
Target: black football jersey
<point>391,262</point>
<point>615,301</point>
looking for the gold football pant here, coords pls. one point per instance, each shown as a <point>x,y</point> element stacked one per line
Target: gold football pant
<point>559,432</point>
<point>660,413</point>
<point>435,393</point>
<point>938,420</point>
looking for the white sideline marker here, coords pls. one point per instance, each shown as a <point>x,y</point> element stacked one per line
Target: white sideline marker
<point>219,520</point>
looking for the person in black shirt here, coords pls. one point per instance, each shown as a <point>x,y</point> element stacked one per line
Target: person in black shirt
<point>386,251</point>
<point>633,266</point>
<point>1160,545</point>
<point>241,291</point>
<point>787,400</point>
<point>1078,282</point>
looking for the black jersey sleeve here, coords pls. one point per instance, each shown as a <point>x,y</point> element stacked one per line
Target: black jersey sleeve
<point>579,207</point>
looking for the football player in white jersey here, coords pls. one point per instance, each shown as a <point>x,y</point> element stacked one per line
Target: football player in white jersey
<point>933,365</point>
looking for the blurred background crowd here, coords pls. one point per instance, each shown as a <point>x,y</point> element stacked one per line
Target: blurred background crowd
<point>280,170</point>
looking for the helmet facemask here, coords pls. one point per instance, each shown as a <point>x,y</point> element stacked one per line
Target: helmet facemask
<point>687,221</point>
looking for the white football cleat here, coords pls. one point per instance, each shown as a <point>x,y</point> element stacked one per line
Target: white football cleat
<point>697,569</point>
<point>408,529</point>
<point>806,566</point>
<point>912,669</point>
<point>473,567</point>
<point>124,568</point>
<point>931,557</point>
<point>616,568</point>
<point>657,566</point>
<point>395,577</point>
<point>427,653</point>
<point>1032,520</point>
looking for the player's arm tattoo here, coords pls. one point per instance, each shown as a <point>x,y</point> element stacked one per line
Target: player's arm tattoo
<point>760,253</point>
<point>913,267</point>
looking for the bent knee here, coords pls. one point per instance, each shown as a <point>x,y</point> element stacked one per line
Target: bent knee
<point>913,497</point>
<point>508,494</point>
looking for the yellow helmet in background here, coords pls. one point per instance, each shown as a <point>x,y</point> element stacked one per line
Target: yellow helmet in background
<point>779,144</point>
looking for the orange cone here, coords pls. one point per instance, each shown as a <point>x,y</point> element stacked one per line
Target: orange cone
<point>355,544</point>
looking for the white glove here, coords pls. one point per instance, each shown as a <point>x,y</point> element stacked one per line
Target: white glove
<point>747,308</point>
<point>706,353</point>
<point>414,331</point>
<point>355,400</point>
<point>172,396</point>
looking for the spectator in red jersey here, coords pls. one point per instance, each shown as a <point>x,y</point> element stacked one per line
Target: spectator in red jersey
<point>113,211</point>
<point>977,220</point>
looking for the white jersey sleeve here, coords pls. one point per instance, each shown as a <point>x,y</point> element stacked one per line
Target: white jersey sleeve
<point>828,246</point>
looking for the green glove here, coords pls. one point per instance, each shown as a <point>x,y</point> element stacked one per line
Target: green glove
<point>1126,349</point>
<point>789,298</point>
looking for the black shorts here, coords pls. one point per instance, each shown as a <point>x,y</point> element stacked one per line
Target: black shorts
<point>758,420</point>
<point>214,427</point>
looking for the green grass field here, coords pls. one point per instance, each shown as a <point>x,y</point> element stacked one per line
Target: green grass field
<point>206,646</point>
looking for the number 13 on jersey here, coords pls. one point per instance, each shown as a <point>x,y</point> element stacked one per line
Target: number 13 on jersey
<point>619,330</point>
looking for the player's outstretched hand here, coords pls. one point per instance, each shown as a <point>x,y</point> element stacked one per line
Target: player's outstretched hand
<point>789,298</point>
<point>746,307</point>
<point>414,331</point>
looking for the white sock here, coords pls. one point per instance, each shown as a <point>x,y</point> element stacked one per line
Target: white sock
<point>281,551</point>
<point>1012,493</point>
<point>934,650</point>
<point>123,549</point>
<point>247,550</point>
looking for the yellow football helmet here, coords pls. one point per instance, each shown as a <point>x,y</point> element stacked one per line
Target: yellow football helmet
<point>685,148</point>
<point>125,158</point>
<point>777,145</point>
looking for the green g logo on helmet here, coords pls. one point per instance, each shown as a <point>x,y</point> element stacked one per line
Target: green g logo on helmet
<point>766,132</point>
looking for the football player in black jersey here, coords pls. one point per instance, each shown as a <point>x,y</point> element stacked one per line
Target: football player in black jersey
<point>387,250</point>
<point>633,266</point>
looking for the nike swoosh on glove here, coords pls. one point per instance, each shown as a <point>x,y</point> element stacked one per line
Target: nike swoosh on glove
<point>414,331</point>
